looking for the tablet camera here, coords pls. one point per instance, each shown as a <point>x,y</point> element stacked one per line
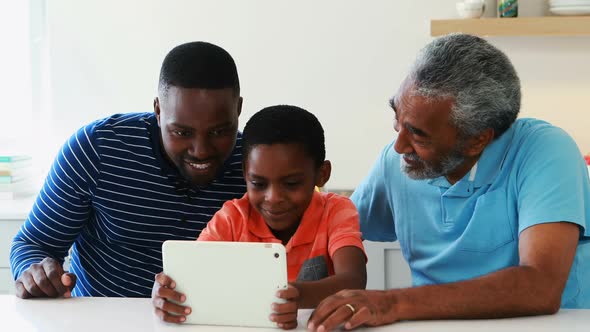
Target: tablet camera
<point>276,255</point>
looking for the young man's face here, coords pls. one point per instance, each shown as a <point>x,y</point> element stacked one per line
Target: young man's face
<point>426,138</point>
<point>198,129</point>
<point>281,180</point>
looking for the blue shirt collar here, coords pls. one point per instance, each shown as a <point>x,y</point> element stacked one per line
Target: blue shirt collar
<point>488,166</point>
<point>485,169</point>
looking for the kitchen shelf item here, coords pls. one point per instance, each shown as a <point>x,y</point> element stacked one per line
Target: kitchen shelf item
<point>521,26</point>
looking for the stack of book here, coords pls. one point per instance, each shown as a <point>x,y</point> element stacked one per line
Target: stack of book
<point>16,176</point>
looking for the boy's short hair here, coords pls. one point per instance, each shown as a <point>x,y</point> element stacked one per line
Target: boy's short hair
<point>198,65</point>
<point>285,124</point>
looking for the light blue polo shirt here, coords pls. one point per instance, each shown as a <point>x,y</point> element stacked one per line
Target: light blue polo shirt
<point>534,173</point>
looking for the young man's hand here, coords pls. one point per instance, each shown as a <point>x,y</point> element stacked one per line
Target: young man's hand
<point>45,279</point>
<point>285,314</point>
<point>163,298</point>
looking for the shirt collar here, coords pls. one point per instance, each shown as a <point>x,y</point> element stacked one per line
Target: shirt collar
<point>488,166</point>
<point>485,169</point>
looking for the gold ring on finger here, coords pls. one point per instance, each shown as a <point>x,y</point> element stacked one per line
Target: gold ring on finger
<point>351,308</point>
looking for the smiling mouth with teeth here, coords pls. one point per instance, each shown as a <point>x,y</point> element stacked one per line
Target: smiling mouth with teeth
<point>200,166</point>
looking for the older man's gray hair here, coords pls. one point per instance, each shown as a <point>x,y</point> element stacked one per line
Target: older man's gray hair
<point>478,76</point>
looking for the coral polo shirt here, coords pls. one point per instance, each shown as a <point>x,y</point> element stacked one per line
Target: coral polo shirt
<point>330,222</point>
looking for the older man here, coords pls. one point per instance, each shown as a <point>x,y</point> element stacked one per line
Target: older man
<point>491,213</point>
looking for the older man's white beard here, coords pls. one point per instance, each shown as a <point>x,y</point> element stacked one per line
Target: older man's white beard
<point>429,171</point>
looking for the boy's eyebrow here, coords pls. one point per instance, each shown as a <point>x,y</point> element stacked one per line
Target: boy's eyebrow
<point>298,174</point>
<point>252,175</point>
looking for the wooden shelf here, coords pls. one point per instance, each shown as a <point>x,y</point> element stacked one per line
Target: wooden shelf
<point>521,26</point>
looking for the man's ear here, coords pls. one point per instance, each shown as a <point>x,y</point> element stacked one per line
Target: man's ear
<point>323,174</point>
<point>157,109</point>
<point>240,101</point>
<point>476,144</point>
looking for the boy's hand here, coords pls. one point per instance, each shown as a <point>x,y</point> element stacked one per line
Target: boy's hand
<point>45,279</point>
<point>285,314</point>
<point>162,295</point>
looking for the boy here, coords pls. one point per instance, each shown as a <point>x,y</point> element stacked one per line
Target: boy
<point>284,160</point>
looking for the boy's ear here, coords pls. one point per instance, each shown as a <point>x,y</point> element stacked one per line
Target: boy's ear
<point>323,174</point>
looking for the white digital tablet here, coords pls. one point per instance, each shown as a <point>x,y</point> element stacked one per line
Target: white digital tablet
<point>227,283</point>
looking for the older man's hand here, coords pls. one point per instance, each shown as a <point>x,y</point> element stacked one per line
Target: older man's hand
<point>352,308</point>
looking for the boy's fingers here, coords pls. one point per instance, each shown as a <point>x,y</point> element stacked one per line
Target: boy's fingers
<point>288,325</point>
<point>170,294</point>
<point>177,309</point>
<point>284,318</point>
<point>164,316</point>
<point>165,280</point>
<point>290,293</point>
<point>169,307</point>
<point>282,308</point>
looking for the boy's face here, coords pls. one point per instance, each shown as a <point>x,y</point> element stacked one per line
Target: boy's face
<point>281,180</point>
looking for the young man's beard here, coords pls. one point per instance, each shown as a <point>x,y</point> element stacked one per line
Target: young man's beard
<point>428,170</point>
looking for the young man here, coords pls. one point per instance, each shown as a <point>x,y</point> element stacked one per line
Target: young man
<point>491,213</point>
<point>284,160</point>
<point>124,184</point>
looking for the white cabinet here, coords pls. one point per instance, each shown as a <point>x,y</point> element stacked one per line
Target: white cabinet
<point>12,215</point>
<point>8,229</point>
<point>386,267</point>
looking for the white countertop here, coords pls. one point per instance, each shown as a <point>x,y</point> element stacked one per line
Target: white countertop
<point>132,314</point>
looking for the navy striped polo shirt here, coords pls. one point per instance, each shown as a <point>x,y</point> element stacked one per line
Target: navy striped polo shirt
<point>113,198</point>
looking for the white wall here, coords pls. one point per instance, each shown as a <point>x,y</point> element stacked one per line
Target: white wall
<point>342,60</point>
<point>15,68</point>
